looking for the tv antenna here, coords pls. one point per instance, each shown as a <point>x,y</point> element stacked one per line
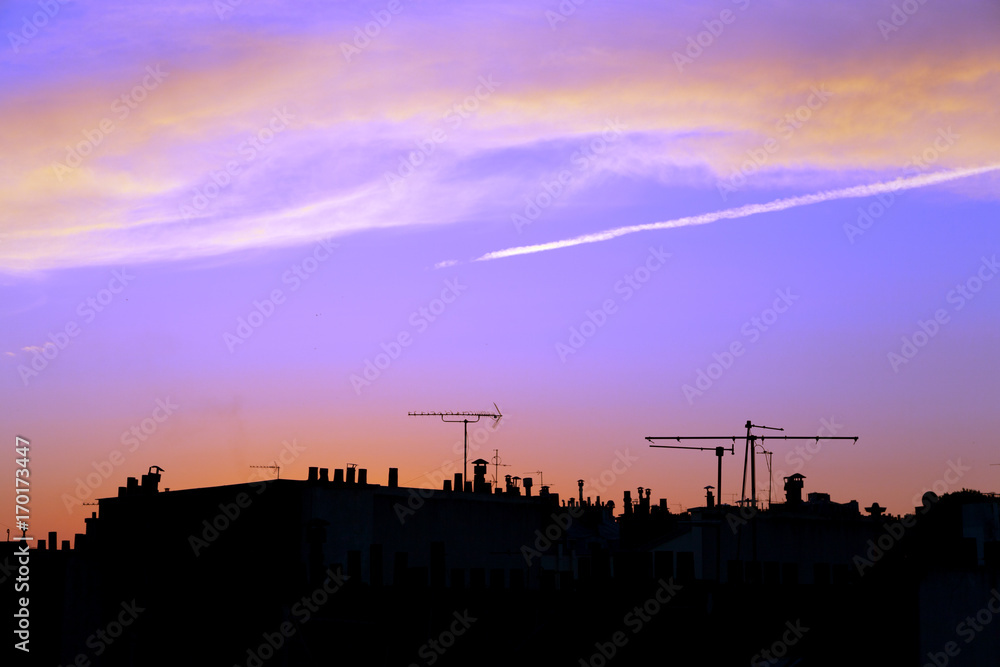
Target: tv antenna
<point>496,466</point>
<point>718,452</point>
<point>274,466</point>
<point>465,418</point>
<point>541,478</point>
<point>750,453</point>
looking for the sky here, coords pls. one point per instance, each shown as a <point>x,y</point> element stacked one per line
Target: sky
<point>237,233</point>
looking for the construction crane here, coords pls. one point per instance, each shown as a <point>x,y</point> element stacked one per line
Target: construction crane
<point>749,456</point>
<point>466,419</point>
<point>719,451</point>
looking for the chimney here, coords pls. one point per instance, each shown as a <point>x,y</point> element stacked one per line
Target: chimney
<point>362,475</point>
<point>447,485</point>
<point>627,503</point>
<point>458,481</point>
<point>313,473</point>
<point>579,483</point>
<point>53,541</point>
<point>132,486</point>
<point>793,488</point>
<point>393,478</point>
<point>709,497</point>
<point>527,482</point>
<point>324,475</point>
<point>351,470</point>
<point>151,480</point>
<point>338,476</point>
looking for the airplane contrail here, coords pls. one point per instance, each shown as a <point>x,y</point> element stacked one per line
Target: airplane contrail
<point>901,183</point>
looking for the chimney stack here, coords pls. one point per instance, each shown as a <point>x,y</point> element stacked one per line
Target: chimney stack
<point>579,483</point>
<point>313,472</point>
<point>393,478</point>
<point>324,475</point>
<point>528,483</point>
<point>338,475</point>
<point>362,475</point>
<point>351,470</point>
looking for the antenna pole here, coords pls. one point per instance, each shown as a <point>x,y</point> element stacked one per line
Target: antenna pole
<point>465,419</point>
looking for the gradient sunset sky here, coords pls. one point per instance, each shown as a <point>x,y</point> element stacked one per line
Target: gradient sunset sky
<point>239,211</point>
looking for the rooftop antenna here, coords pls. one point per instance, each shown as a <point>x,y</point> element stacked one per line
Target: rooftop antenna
<point>718,451</point>
<point>496,466</point>
<point>752,440</point>
<point>464,418</point>
<point>274,466</point>
<point>541,477</point>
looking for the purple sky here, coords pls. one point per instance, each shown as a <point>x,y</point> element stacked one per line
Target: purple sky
<point>169,169</point>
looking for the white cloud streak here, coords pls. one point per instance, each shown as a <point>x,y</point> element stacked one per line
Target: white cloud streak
<point>901,183</point>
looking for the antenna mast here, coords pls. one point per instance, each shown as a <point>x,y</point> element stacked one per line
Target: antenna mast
<point>750,454</point>
<point>464,418</point>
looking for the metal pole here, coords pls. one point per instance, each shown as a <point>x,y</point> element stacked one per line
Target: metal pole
<point>465,463</point>
<point>718,453</point>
